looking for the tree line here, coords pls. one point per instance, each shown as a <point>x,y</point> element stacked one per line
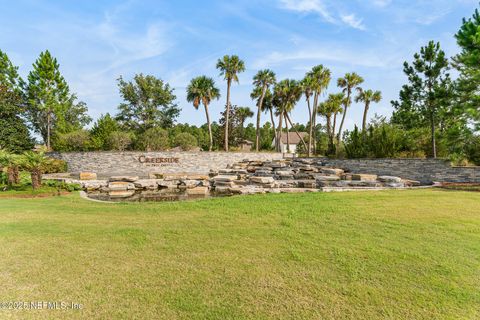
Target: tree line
<point>434,116</point>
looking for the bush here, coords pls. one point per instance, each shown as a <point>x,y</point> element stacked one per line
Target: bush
<point>153,139</point>
<point>186,141</point>
<point>55,166</point>
<point>355,144</point>
<point>120,140</point>
<point>73,141</point>
<point>472,150</point>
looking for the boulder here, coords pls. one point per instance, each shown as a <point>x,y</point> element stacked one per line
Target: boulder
<point>394,185</point>
<point>121,193</point>
<point>88,176</point>
<point>123,179</point>
<point>198,191</point>
<point>327,178</point>
<point>120,185</point>
<point>389,179</point>
<point>411,183</point>
<point>364,177</point>
<point>193,176</point>
<point>167,184</point>
<point>262,180</point>
<point>332,171</point>
<point>93,185</point>
<point>150,184</point>
<point>224,178</point>
<point>155,175</point>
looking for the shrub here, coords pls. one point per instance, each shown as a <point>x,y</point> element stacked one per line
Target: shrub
<point>120,140</point>
<point>73,141</point>
<point>153,139</point>
<point>55,166</point>
<point>472,150</point>
<point>355,144</point>
<point>186,141</point>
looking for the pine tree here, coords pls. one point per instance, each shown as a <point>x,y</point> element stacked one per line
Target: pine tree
<point>14,134</point>
<point>51,107</point>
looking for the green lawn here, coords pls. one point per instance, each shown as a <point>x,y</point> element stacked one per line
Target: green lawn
<point>367,255</point>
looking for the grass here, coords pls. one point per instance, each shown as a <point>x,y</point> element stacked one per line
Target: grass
<point>369,255</point>
<point>26,191</point>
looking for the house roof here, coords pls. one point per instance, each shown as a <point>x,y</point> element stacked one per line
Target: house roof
<point>292,137</point>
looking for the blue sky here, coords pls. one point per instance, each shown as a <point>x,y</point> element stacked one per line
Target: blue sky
<point>97,41</point>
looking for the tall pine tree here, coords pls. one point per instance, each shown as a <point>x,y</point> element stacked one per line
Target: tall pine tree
<point>426,96</point>
<point>14,134</point>
<point>51,108</point>
<point>467,63</point>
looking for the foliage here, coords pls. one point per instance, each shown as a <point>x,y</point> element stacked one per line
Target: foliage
<point>55,166</point>
<point>467,62</point>
<point>50,105</point>
<point>348,83</point>
<point>355,146</point>
<point>101,131</point>
<point>78,140</point>
<point>14,134</point>
<point>427,96</point>
<point>203,90</point>
<point>262,82</point>
<point>186,141</point>
<point>472,150</point>
<point>120,140</point>
<point>8,72</point>
<point>35,163</point>
<point>229,67</point>
<point>153,139</point>
<point>148,103</point>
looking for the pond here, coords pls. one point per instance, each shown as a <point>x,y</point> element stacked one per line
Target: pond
<point>147,196</point>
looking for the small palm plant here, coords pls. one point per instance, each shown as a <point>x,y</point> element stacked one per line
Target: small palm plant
<point>10,161</point>
<point>367,97</point>
<point>35,163</point>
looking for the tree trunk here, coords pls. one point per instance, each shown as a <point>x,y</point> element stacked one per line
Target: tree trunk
<point>310,131</point>
<point>296,131</point>
<point>330,133</point>
<point>314,123</point>
<point>210,147</point>
<point>286,126</point>
<point>364,123</point>
<point>48,129</point>
<point>227,117</point>
<point>260,104</point>
<point>339,136</point>
<point>279,133</point>
<point>273,126</point>
<point>36,179</point>
<point>434,146</point>
<point>11,175</point>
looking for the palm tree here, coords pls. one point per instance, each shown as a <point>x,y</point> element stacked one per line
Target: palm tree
<point>321,78</point>
<point>202,90</point>
<point>348,84</point>
<point>287,93</point>
<point>307,88</point>
<point>329,108</point>
<point>243,114</point>
<point>267,106</point>
<point>10,161</point>
<point>367,97</point>
<point>35,163</point>
<point>230,67</point>
<point>262,80</point>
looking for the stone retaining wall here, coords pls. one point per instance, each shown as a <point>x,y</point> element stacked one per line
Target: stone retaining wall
<point>143,163</point>
<point>423,170</point>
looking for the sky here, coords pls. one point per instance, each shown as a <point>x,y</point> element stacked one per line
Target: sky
<point>95,42</point>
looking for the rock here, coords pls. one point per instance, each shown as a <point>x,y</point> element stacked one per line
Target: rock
<point>193,176</point>
<point>389,179</point>
<point>167,184</point>
<point>411,183</point>
<point>298,190</point>
<point>273,190</point>
<point>283,173</point>
<point>262,180</point>
<point>229,184</point>
<point>88,176</point>
<point>150,184</point>
<point>364,177</point>
<point>123,179</point>
<point>326,178</point>
<point>363,183</point>
<point>198,191</point>
<point>226,172</point>
<point>155,175</point>
<point>93,185</point>
<point>224,178</point>
<point>307,184</point>
<point>120,185</point>
<point>332,171</point>
<point>121,194</point>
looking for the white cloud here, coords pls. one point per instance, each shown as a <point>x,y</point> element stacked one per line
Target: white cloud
<point>316,6</point>
<point>352,21</point>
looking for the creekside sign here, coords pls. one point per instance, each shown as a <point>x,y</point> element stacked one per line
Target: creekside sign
<point>142,164</point>
<point>157,161</point>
